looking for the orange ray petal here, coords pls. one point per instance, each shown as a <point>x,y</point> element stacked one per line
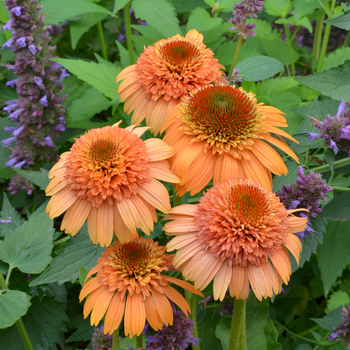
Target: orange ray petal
<point>114,313</point>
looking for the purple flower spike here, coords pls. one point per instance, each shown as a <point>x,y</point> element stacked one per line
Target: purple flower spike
<point>7,142</point>
<point>9,221</point>
<point>20,164</point>
<point>234,77</point>
<point>8,26</point>
<point>43,101</point>
<point>49,142</point>
<point>334,147</point>
<point>60,127</point>
<point>15,114</point>
<point>342,332</point>
<point>100,340</point>
<point>313,135</point>
<point>32,49</point>
<point>8,44</point>
<point>18,131</point>
<point>16,11</point>
<point>12,83</point>
<point>21,42</point>
<point>63,75</point>
<point>38,81</point>
<point>10,129</point>
<point>341,108</point>
<point>10,107</point>
<point>11,162</point>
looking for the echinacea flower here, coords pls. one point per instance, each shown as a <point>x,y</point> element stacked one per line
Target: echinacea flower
<point>236,235</point>
<point>108,177</point>
<point>130,283</point>
<point>163,74</point>
<point>222,132</point>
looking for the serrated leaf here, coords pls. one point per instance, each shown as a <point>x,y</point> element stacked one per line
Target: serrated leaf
<point>83,333</point>
<point>119,4</point>
<point>334,83</point>
<point>338,209</point>
<point>342,21</point>
<point>341,182</point>
<point>302,7</point>
<point>263,29</point>
<point>59,11</point>
<point>79,251</point>
<point>307,125</point>
<point>335,245</point>
<point>280,8</point>
<point>80,26</point>
<point>124,55</point>
<point>99,75</point>
<point>271,87</point>
<point>331,320</point>
<point>86,106</point>
<point>259,68</point>
<point>13,305</point>
<point>159,14</point>
<point>82,275</point>
<point>201,20</point>
<point>337,299</point>
<point>39,178</point>
<point>28,247</point>
<point>9,212</point>
<point>336,58</point>
<point>329,157</point>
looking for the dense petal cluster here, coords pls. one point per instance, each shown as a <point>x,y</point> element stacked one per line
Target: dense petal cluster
<point>236,235</point>
<point>38,111</point>
<point>164,73</point>
<point>101,341</point>
<point>175,337</point>
<point>342,332</point>
<point>18,182</point>
<point>109,178</point>
<point>130,283</point>
<point>335,130</point>
<point>306,193</point>
<point>220,132</point>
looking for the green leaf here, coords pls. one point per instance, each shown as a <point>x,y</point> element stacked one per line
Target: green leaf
<point>80,26</point>
<point>271,87</point>
<point>206,328</point>
<point>119,4</point>
<point>5,171</point>
<point>335,245</point>
<point>59,11</point>
<point>280,8</point>
<point>334,83</point>
<point>329,156</point>
<point>331,320</point>
<point>302,7</point>
<point>4,14</point>
<point>86,106</point>
<point>288,179</point>
<point>79,251</point>
<point>342,21</point>
<point>7,212</point>
<point>341,182</point>
<point>82,275</point>
<point>259,68</point>
<point>201,20</point>
<point>337,299</point>
<point>336,58</point>
<point>28,247</point>
<point>124,55</point>
<point>39,178</point>
<point>148,32</point>
<point>159,14</point>
<point>13,305</point>
<point>222,331</point>
<point>99,75</point>
<point>338,209</point>
<point>83,333</point>
<point>263,29</point>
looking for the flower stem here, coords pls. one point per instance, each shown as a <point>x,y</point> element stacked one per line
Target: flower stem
<point>115,339</point>
<point>2,282</point>
<point>308,160</point>
<point>238,333</point>
<point>324,168</point>
<point>128,32</point>
<point>177,200</point>
<point>62,240</point>
<point>344,189</point>
<point>290,48</point>
<point>139,341</point>
<point>193,316</point>
<point>327,32</point>
<point>318,38</point>
<point>238,48</point>
<point>102,40</point>
<point>347,40</point>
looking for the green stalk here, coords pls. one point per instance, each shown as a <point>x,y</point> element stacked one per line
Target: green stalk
<point>327,32</point>
<point>318,38</point>
<point>115,339</point>
<point>324,168</point>
<point>235,57</point>
<point>344,189</point>
<point>62,240</point>
<point>128,32</point>
<point>193,317</point>
<point>290,48</point>
<point>238,333</point>
<point>139,341</point>
<point>177,200</point>
<point>102,40</point>
<point>308,160</point>
<point>2,282</point>
<point>347,40</point>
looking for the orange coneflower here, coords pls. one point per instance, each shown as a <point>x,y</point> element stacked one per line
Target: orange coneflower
<point>220,132</point>
<point>129,275</point>
<point>236,235</point>
<point>108,178</point>
<point>163,74</point>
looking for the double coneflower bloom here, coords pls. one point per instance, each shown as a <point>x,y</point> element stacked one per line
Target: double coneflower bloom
<point>236,235</point>
<point>129,280</point>
<point>109,178</point>
<point>164,73</point>
<point>222,132</point>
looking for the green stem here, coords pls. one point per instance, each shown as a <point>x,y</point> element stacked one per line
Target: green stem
<point>237,332</point>
<point>308,160</point>
<point>115,339</point>
<point>290,48</point>
<point>24,335</point>
<point>8,275</point>
<point>128,32</point>
<point>309,330</point>
<point>294,34</point>
<point>324,168</point>
<point>177,200</point>
<point>62,240</point>
<point>189,298</point>
<point>347,40</point>
<point>139,341</point>
<point>3,284</point>
<point>235,57</point>
<point>102,41</point>
<point>327,32</point>
<point>344,189</point>
<point>318,38</point>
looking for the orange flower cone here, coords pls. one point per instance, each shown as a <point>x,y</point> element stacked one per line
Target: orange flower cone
<point>237,236</point>
<point>109,179</point>
<point>163,74</point>
<point>130,283</point>
<point>222,132</point>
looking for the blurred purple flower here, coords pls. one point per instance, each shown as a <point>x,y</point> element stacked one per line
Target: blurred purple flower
<point>101,341</point>
<point>18,182</point>
<point>342,332</point>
